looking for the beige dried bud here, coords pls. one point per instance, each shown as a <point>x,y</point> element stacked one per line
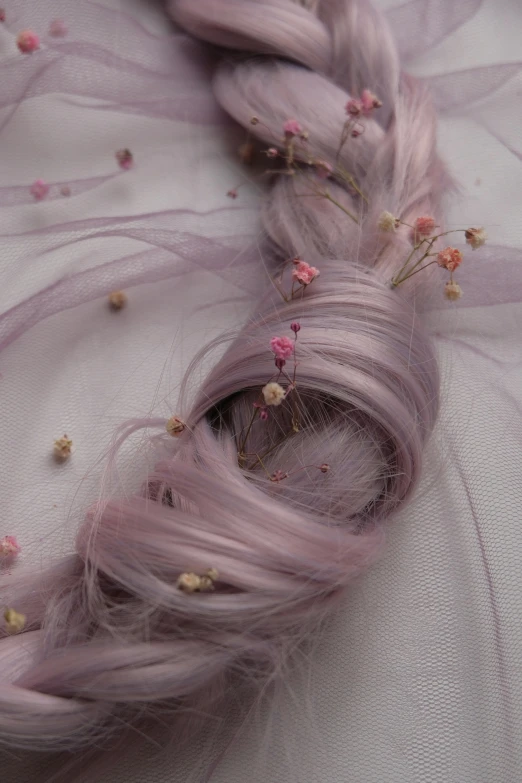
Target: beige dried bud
<point>63,448</point>
<point>175,426</point>
<point>117,300</point>
<point>14,621</point>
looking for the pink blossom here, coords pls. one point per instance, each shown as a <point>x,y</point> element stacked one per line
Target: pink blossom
<point>292,128</point>
<point>353,107</point>
<point>9,547</point>
<point>58,28</point>
<point>323,169</point>
<point>295,326</point>
<point>27,41</point>
<point>449,258</point>
<point>423,227</point>
<point>304,273</point>
<point>272,152</point>
<point>39,189</point>
<point>125,159</point>
<point>263,414</point>
<point>283,347</point>
<point>369,102</point>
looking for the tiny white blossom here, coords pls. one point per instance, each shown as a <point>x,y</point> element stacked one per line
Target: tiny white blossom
<point>475,237</point>
<point>273,394</point>
<point>387,222</point>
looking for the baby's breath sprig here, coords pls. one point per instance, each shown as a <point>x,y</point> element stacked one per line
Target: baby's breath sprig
<point>423,237</point>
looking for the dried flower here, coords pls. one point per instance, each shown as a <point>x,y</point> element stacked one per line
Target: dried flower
<point>232,193</point>
<point>279,363</point>
<point>292,128</point>
<point>278,476</point>
<point>175,426</point>
<point>272,152</point>
<point>58,28</point>
<point>263,414</point>
<point>295,326</point>
<point>192,583</point>
<point>369,102</point>
<point>323,169</point>
<point>283,347</point>
<point>117,300</point>
<point>387,222</point>
<point>325,467</point>
<point>9,547</point>
<point>14,621</point>
<point>273,393</point>
<point>39,189</point>
<point>356,131</point>
<point>353,107</point>
<point>125,159</point>
<point>452,290</point>
<point>65,190</point>
<point>304,273</point>
<point>475,237</point>
<point>27,41</point>
<point>63,448</point>
<point>246,152</point>
<point>254,120</point>
<point>2,15</point>
<point>449,258</point>
<point>423,227</point>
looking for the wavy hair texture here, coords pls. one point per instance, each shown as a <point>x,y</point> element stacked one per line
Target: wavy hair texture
<point>109,636</point>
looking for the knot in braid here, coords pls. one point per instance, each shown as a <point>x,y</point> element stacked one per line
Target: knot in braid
<point>285,537</point>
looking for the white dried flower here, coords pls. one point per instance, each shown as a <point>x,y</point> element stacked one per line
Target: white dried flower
<point>475,237</point>
<point>175,426</point>
<point>14,621</point>
<point>189,583</point>
<point>273,394</point>
<point>387,222</point>
<point>452,291</point>
<point>63,448</point>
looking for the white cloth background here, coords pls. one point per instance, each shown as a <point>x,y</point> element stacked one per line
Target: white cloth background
<point>419,679</point>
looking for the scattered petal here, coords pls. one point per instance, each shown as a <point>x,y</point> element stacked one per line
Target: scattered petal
<point>117,300</point>
<point>58,28</point>
<point>452,291</point>
<point>232,193</point>
<point>125,159</point>
<point>475,237</point>
<point>273,393</point>
<point>9,547</point>
<point>39,189</point>
<point>63,448</point>
<point>449,258</point>
<point>175,426</point>
<point>27,41</point>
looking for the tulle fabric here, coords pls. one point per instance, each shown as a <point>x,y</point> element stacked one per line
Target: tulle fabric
<point>433,633</point>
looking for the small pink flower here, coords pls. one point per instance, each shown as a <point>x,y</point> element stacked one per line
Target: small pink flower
<point>27,41</point>
<point>125,159</point>
<point>324,169</point>
<point>357,131</point>
<point>369,102</point>
<point>449,258</point>
<point>295,326</point>
<point>39,189</point>
<point>272,152</point>
<point>58,28</point>
<point>353,107</point>
<point>423,227</point>
<point>304,273</point>
<point>475,237</point>
<point>232,193</point>
<point>283,347</point>
<point>9,547</point>
<point>292,128</point>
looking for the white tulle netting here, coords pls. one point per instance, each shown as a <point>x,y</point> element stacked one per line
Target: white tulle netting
<point>419,679</point>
